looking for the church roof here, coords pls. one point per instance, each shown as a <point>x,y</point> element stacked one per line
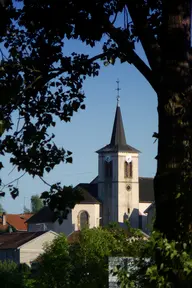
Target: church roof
<point>89,193</point>
<point>118,140</point>
<point>118,133</point>
<point>146,191</point>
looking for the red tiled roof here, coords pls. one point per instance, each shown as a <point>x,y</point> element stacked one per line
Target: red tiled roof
<point>74,237</point>
<point>16,239</point>
<point>15,220</point>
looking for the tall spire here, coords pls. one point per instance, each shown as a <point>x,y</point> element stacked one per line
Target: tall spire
<point>118,89</point>
<point>118,135</point>
<point>118,140</point>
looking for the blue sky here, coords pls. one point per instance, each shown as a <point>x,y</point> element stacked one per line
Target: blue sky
<point>91,129</point>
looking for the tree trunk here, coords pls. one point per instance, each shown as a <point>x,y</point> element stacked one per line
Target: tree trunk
<point>173,181</point>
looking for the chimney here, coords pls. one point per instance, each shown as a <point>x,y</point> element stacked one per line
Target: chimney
<point>4,219</point>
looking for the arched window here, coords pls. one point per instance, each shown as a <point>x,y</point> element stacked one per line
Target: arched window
<point>83,220</point>
<point>128,170</point>
<point>108,169</point>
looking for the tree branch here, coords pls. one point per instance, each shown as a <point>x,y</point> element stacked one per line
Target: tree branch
<point>58,71</point>
<point>126,49</point>
<point>5,185</point>
<point>148,41</point>
<point>134,59</point>
<point>45,182</point>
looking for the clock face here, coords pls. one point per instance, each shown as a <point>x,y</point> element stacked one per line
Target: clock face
<point>128,159</point>
<point>108,158</point>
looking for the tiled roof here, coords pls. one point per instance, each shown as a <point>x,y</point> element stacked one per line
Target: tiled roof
<point>15,220</point>
<point>17,239</point>
<point>74,237</point>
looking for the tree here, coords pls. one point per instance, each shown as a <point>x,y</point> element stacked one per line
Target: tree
<point>54,269</point>
<point>36,203</point>
<point>43,83</point>
<point>83,263</point>
<point>13,275</point>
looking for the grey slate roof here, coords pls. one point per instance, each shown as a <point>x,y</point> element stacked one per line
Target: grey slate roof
<point>146,191</point>
<point>118,134</point>
<point>118,140</point>
<point>42,216</point>
<point>89,193</point>
<point>110,149</point>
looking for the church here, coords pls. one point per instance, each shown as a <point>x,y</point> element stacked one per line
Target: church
<point>116,194</point>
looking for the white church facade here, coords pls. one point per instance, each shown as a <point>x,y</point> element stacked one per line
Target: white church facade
<point>115,195</point>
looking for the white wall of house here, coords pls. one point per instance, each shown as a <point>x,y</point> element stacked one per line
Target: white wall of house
<point>142,207</point>
<point>32,249</point>
<point>150,218</point>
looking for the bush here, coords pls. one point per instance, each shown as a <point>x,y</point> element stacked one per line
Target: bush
<point>84,263</point>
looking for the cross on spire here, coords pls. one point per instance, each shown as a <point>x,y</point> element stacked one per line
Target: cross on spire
<point>118,89</point>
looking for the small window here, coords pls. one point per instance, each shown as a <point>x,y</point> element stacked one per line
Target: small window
<point>83,220</point>
<point>128,170</point>
<point>108,169</point>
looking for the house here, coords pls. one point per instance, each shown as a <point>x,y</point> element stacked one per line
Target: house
<point>13,222</point>
<point>118,192</point>
<point>150,211</point>
<point>24,247</point>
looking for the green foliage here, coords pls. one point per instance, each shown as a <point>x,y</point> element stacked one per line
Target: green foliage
<point>83,263</point>
<point>13,275</point>
<point>134,237</point>
<point>174,265</point>
<point>36,203</point>
<point>95,246</point>
<point>55,265</point>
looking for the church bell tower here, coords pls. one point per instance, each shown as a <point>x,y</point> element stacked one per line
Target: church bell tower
<point>118,179</point>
